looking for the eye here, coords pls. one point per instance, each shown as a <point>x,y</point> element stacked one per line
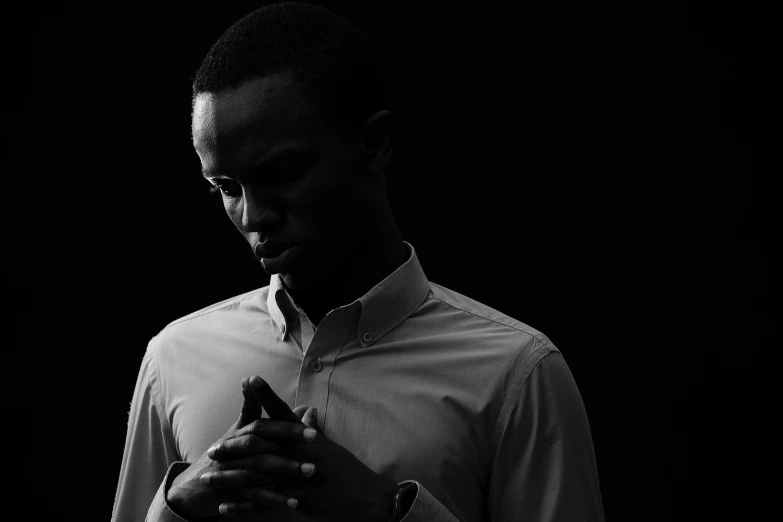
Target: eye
<point>226,187</point>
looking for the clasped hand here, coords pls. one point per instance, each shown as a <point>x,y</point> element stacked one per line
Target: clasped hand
<point>263,464</point>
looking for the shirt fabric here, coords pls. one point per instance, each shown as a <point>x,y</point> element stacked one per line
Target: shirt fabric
<point>419,382</point>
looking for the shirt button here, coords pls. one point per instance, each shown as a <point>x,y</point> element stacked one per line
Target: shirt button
<point>316,365</point>
<point>367,336</point>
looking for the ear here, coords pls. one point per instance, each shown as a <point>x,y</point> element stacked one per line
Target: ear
<point>377,140</point>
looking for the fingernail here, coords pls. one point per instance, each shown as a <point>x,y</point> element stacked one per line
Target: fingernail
<point>211,452</point>
<point>292,503</point>
<point>309,434</point>
<point>307,469</point>
<point>205,478</point>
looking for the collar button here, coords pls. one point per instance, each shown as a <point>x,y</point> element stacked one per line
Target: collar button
<point>367,336</point>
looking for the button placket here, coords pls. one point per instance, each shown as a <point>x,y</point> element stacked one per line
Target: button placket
<point>325,346</point>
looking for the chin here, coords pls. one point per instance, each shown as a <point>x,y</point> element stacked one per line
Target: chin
<point>284,263</point>
<point>302,278</point>
<point>302,268</point>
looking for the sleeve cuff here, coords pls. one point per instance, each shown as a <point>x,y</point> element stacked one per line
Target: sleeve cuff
<point>425,507</point>
<point>160,511</point>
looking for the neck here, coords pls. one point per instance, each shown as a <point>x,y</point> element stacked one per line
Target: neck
<point>378,260</point>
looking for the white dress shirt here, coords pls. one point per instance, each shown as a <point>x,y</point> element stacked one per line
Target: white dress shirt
<point>419,382</point>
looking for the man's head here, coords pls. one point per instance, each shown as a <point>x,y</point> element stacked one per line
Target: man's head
<point>289,121</point>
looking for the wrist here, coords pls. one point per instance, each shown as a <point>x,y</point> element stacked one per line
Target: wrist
<point>383,506</point>
<point>175,493</point>
<point>174,477</point>
<point>175,504</point>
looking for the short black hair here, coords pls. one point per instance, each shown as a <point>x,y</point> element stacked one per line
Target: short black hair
<point>341,76</point>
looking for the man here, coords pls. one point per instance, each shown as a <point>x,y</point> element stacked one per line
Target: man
<point>426,404</point>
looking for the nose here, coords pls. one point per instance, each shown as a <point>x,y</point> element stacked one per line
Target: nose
<point>259,213</point>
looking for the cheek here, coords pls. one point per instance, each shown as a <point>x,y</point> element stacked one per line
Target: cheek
<point>328,208</point>
<point>329,195</point>
<point>234,211</point>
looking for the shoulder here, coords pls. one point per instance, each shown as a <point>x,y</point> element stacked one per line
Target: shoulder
<point>507,342</point>
<point>232,302</point>
<point>206,318</point>
<point>510,348</point>
<point>486,318</point>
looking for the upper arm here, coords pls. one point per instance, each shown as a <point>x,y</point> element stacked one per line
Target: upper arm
<point>544,467</point>
<point>149,447</point>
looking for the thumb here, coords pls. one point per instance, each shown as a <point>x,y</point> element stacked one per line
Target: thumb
<point>307,415</point>
<point>300,410</point>
<point>310,418</point>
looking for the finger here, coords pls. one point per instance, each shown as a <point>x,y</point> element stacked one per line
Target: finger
<point>281,432</point>
<point>262,500</point>
<point>274,405</point>
<point>256,469</point>
<point>277,484</point>
<point>244,443</point>
<point>251,408</point>
<point>300,410</point>
<point>310,418</point>
<point>294,491</point>
<point>230,480</point>
<point>233,509</point>
<point>268,498</point>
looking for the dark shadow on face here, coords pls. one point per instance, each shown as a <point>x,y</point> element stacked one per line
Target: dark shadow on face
<point>287,180</point>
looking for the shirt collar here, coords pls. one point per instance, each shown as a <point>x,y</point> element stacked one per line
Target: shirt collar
<point>383,307</point>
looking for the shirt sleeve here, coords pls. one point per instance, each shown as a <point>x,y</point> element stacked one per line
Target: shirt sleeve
<point>425,507</point>
<point>544,468</point>
<point>149,455</point>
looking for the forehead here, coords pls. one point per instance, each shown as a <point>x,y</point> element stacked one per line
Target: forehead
<point>271,107</point>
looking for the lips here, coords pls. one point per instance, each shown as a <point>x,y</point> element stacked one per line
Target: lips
<point>269,248</point>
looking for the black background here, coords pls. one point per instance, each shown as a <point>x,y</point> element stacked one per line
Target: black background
<point>600,171</point>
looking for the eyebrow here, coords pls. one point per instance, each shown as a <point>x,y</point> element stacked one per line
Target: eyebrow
<point>274,158</point>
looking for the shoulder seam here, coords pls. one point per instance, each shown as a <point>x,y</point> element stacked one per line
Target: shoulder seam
<point>250,294</point>
<point>542,341</point>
